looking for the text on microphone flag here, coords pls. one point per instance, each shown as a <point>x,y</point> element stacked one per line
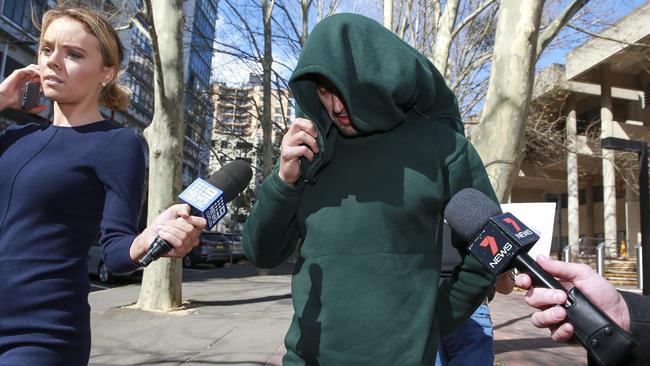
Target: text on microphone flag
<point>206,200</point>
<point>493,249</point>
<point>517,230</point>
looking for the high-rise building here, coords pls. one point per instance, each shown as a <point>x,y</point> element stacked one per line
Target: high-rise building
<point>237,132</point>
<point>200,22</point>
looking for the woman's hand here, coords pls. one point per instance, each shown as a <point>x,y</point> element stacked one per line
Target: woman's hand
<point>176,227</point>
<point>13,87</point>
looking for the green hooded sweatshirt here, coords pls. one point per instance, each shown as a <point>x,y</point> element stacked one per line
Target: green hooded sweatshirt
<point>369,208</point>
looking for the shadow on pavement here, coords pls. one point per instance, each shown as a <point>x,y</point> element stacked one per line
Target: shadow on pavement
<point>512,321</point>
<point>521,344</point>
<point>239,270</point>
<point>198,303</point>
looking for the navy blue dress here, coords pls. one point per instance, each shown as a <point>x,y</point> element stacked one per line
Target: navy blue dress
<point>59,187</point>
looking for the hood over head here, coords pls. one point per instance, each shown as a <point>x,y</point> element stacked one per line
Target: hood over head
<point>381,80</point>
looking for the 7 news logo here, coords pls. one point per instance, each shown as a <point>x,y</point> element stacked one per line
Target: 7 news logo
<point>499,253</point>
<point>514,227</point>
<point>502,238</point>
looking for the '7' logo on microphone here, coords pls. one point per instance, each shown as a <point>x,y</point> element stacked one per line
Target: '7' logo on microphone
<point>489,240</point>
<point>511,225</point>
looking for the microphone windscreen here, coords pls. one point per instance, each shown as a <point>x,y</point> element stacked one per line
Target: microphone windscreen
<point>232,178</point>
<point>468,211</point>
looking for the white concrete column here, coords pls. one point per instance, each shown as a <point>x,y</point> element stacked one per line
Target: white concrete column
<point>573,207</point>
<point>632,220</point>
<point>589,208</point>
<point>3,63</point>
<point>609,171</point>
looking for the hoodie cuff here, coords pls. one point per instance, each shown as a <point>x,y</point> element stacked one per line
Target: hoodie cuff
<point>277,187</point>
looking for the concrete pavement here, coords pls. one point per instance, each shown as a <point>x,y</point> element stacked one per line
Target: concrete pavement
<point>232,317</point>
<point>229,319</point>
<point>518,343</point>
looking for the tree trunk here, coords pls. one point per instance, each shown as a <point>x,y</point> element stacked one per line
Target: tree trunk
<point>511,84</point>
<point>509,92</point>
<point>388,14</point>
<point>267,123</point>
<point>304,6</point>
<point>267,63</point>
<point>161,281</point>
<point>444,37</point>
<point>517,47</point>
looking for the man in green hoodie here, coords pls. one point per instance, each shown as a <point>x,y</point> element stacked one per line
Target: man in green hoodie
<point>363,180</point>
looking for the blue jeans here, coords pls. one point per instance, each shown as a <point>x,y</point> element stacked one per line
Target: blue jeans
<point>471,344</point>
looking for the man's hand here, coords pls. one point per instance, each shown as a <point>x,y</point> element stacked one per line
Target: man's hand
<point>601,293</point>
<point>299,141</point>
<point>505,283</point>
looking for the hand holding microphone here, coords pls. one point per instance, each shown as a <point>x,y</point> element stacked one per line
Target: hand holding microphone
<point>207,201</point>
<point>500,241</point>
<point>175,227</point>
<point>602,293</point>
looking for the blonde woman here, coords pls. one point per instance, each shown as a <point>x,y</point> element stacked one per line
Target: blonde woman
<point>63,183</point>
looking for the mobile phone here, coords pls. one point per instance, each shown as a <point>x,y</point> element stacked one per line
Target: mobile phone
<point>31,96</point>
<point>309,169</point>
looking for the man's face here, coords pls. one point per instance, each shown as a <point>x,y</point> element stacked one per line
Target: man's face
<point>331,100</point>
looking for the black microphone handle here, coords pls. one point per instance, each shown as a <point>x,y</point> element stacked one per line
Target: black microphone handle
<point>606,343</point>
<point>157,249</point>
<point>525,264</point>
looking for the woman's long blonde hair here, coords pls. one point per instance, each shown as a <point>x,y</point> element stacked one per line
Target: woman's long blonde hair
<point>113,95</point>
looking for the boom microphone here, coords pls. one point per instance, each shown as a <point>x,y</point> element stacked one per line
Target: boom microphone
<point>208,200</point>
<point>500,241</point>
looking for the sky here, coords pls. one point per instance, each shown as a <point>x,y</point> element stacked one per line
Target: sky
<point>597,15</point>
<point>569,39</point>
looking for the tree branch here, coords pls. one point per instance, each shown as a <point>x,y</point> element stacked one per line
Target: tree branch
<point>293,25</point>
<point>248,28</point>
<point>471,17</point>
<point>556,25</point>
<point>148,14</point>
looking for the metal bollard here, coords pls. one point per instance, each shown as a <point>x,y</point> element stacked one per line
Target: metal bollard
<point>600,258</point>
<point>567,253</point>
<point>639,265</point>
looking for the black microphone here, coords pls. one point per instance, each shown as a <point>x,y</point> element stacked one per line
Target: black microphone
<point>500,241</point>
<point>208,200</point>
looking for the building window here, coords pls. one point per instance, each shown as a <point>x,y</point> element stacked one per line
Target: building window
<point>20,12</point>
<point>141,43</point>
<point>598,194</point>
<point>619,110</point>
<point>142,97</point>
